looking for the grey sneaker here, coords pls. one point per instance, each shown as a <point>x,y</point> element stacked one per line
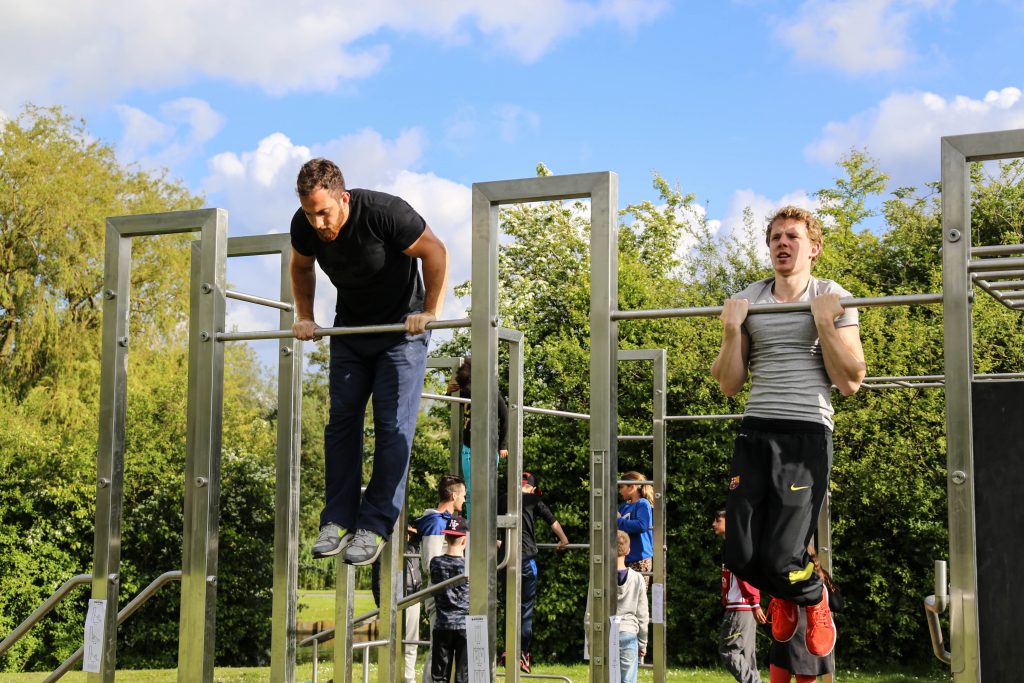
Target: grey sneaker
<point>364,549</point>
<point>331,541</point>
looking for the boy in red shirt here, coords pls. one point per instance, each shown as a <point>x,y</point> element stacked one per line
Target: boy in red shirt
<point>739,625</point>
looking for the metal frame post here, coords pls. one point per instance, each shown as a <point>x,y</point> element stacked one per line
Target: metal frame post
<point>957,152</point>
<point>602,188</point>
<point>604,461</point>
<point>344,601</point>
<point>390,660</point>
<point>484,430</point>
<point>202,456</point>
<point>514,498</point>
<point>286,490</point>
<point>659,568</point>
<point>203,441</point>
<point>110,454</point>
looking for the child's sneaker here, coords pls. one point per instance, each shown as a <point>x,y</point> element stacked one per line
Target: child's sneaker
<point>524,662</point>
<point>785,618</point>
<point>821,630</point>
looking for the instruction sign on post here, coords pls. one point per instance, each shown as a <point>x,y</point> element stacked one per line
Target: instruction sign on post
<point>95,619</point>
<point>477,641</point>
<point>658,603</point>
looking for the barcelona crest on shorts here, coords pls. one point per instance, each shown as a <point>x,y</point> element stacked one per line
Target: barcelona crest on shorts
<point>734,483</point>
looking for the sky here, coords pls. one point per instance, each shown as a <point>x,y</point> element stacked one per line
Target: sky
<point>747,103</point>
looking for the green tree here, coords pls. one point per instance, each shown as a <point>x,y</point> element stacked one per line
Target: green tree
<point>58,185</point>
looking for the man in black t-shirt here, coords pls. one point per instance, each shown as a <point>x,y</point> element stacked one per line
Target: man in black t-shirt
<point>370,245</point>
<point>532,507</point>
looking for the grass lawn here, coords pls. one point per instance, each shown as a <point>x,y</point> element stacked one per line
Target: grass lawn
<point>577,673</point>
<point>319,605</point>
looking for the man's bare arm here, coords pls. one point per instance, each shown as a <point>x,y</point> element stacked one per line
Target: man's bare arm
<point>434,257</point>
<point>841,348</point>
<point>303,289</point>
<point>730,367</point>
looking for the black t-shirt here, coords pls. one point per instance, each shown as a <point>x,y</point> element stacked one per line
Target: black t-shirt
<point>533,507</point>
<point>377,284</point>
<point>467,422</point>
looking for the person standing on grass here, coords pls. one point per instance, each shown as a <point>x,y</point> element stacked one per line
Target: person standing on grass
<point>636,518</point>
<point>449,652</point>
<point>738,637</point>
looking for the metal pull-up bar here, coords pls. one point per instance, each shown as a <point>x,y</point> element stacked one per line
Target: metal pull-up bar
<point>457,323</point>
<point>791,307</point>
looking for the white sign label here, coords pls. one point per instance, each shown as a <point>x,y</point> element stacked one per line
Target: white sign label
<point>477,641</point>
<point>94,622</point>
<point>658,603</point>
<point>614,674</point>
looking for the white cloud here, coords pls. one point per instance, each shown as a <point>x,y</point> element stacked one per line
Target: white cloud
<point>855,36</point>
<point>257,188</point>
<point>94,50</point>
<point>183,127</point>
<point>903,131</point>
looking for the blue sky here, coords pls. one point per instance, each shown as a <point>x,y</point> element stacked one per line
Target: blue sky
<point>745,102</point>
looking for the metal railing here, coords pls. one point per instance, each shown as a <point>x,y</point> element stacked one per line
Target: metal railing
<point>123,615</point>
<point>934,605</point>
<point>44,609</point>
<point>412,598</point>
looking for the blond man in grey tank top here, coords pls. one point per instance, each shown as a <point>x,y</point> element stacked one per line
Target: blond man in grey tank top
<point>783,453</point>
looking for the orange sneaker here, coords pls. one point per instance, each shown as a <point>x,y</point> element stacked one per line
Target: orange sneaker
<point>821,630</point>
<point>784,617</point>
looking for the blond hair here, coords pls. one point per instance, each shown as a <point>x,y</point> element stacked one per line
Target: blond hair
<point>622,539</point>
<point>800,214</point>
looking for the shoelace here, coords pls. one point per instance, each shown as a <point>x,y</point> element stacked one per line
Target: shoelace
<point>821,615</point>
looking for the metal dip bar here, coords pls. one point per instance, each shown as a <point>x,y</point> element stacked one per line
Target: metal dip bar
<point>710,311</point>
<point>338,331</point>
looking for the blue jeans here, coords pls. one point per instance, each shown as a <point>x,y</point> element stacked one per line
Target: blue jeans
<point>528,583</point>
<point>466,465</point>
<point>390,368</point>
<point>628,657</point>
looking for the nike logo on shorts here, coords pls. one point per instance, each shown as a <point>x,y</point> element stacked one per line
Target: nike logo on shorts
<point>794,487</point>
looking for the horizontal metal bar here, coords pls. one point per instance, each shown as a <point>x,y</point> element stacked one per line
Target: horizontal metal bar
<point>696,418</point>
<point>1006,285</point>
<point>627,482</point>
<point>547,677</point>
<point>1012,297</point>
<point>570,546</point>
<point>1002,274</point>
<point>526,409</point>
<point>556,413</point>
<point>636,437</point>
<point>906,378</point>
<point>755,309</point>
<point>253,299</point>
<point>258,245</point>
<point>981,265</point>
<point>998,249</point>
<point>458,323</point>
<point>903,385</point>
<point>43,609</point>
<point>1001,298</point>
<point>445,397</point>
<point>940,378</point>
